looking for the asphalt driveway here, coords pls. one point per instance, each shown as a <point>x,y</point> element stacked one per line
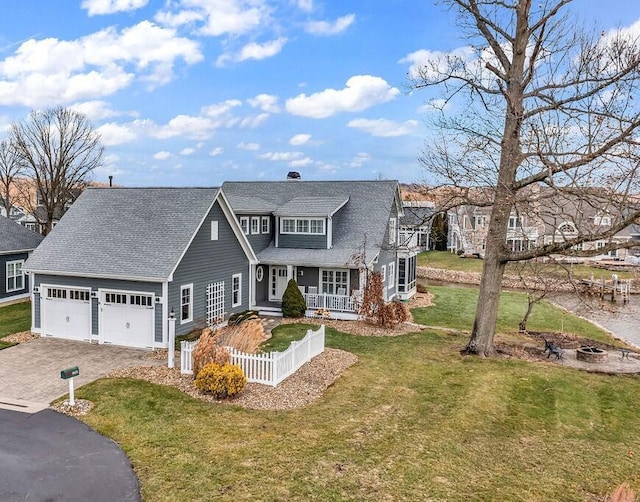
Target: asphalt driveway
<point>30,372</point>
<point>48,456</point>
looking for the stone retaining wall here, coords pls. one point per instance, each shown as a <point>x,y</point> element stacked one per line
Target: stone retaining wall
<point>456,276</point>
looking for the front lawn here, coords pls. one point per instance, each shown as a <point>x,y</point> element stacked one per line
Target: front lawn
<point>412,420</point>
<point>463,301</point>
<point>14,319</point>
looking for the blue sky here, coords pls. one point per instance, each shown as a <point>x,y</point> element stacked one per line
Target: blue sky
<point>196,92</point>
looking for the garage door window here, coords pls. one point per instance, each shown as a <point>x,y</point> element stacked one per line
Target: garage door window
<point>117,298</point>
<point>71,294</point>
<point>186,303</point>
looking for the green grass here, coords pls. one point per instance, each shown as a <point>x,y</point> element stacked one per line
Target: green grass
<point>283,335</point>
<point>451,261</point>
<point>412,420</point>
<point>14,319</point>
<point>463,301</point>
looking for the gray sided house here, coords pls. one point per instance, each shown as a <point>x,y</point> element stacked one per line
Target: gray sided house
<point>16,244</point>
<point>123,259</point>
<point>325,235</point>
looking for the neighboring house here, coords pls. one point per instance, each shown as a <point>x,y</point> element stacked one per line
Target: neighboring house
<point>16,243</point>
<point>415,224</point>
<point>121,260</point>
<point>550,219</point>
<point>326,235</point>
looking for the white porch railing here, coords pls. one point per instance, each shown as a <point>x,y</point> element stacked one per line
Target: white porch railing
<point>342,303</point>
<point>271,368</point>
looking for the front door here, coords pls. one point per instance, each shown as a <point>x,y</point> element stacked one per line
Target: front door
<point>278,283</point>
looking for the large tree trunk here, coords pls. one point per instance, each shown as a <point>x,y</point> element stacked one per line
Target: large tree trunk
<point>484,325</point>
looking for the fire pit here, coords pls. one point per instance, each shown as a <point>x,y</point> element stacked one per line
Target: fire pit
<point>590,354</point>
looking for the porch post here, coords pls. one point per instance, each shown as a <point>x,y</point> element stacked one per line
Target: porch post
<point>290,273</point>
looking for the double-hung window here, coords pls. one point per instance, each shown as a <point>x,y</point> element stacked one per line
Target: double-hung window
<point>244,224</point>
<point>265,224</point>
<point>255,225</point>
<point>236,290</point>
<point>15,276</point>
<point>392,231</point>
<point>186,303</point>
<point>392,275</point>
<point>335,282</point>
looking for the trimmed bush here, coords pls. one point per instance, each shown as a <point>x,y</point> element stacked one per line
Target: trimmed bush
<point>221,381</point>
<point>293,304</point>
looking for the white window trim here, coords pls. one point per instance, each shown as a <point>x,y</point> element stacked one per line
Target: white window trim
<point>334,270</point>
<point>392,275</point>
<point>255,225</point>
<point>295,225</point>
<point>244,224</point>
<point>14,262</point>
<point>265,229</point>
<point>190,288</point>
<point>214,230</point>
<point>233,278</point>
<point>383,273</point>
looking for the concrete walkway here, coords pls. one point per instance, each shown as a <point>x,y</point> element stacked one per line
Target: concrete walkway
<point>30,372</point>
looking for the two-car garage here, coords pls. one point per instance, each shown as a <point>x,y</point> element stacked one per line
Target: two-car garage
<point>123,317</point>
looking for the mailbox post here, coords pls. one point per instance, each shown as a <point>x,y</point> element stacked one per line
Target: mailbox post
<point>69,374</point>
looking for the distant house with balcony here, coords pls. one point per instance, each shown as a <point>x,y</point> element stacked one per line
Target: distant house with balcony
<point>551,218</point>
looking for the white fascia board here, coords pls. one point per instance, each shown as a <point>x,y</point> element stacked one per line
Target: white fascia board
<point>235,226</point>
<point>94,276</point>
<point>16,251</point>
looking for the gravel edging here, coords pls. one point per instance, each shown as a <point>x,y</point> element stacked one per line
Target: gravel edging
<point>303,387</point>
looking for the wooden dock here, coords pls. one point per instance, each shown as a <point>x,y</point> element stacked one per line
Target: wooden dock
<point>615,288</point>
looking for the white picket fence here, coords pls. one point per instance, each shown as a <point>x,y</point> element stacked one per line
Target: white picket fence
<point>271,368</point>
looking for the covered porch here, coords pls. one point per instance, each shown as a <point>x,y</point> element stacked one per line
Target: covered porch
<point>324,289</point>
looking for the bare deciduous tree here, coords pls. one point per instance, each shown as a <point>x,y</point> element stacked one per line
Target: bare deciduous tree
<point>10,169</point>
<point>59,149</point>
<point>547,115</point>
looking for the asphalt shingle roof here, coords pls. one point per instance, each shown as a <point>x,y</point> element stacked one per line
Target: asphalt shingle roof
<point>14,237</point>
<point>134,233</point>
<point>364,217</point>
<point>311,206</point>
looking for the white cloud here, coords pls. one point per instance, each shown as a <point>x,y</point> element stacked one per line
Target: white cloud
<point>52,71</point>
<point>216,151</point>
<point>116,134</point>
<point>253,50</point>
<point>249,146</point>
<point>162,155</point>
<point>187,125</point>
<point>221,109</point>
<point>360,159</point>
<point>301,162</point>
<point>217,17</point>
<point>299,139</point>
<point>188,151</point>
<point>266,102</point>
<point>326,28</point>
<point>361,92</point>
<point>98,110</point>
<point>252,122</point>
<point>99,7</point>
<point>304,5</point>
<point>281,156</point>
<point>384,128</point>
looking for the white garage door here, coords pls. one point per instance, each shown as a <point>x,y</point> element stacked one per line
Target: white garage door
<point>66,312</point>
<point>127,318</point>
